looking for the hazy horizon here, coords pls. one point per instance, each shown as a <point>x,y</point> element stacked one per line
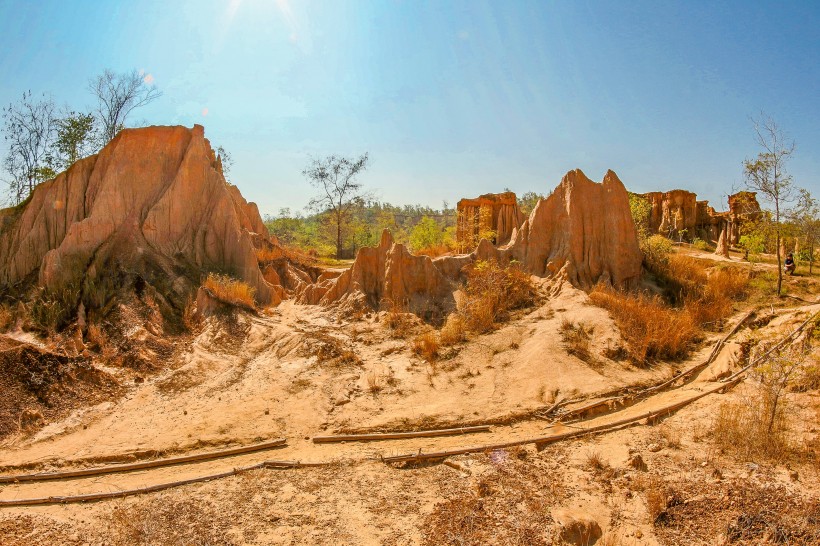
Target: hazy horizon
<point>452,99</point>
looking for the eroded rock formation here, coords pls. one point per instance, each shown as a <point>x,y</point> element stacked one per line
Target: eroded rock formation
<point>153,207</point>
<point>672,211</point>
<point>385,276</point>
<point>493,216</point>
<point>676,210</point>
<point>582,233</point>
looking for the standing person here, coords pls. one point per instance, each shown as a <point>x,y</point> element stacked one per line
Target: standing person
<point>789,264</point>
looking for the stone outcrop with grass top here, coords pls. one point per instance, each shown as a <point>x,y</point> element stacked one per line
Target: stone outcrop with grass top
<point>582,233</point>
<point>152,207</point>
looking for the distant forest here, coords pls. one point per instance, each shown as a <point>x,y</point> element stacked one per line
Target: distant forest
<point>422,228</point>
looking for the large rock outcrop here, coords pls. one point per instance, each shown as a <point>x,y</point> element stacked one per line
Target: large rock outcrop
<point>582,233</point>
<point>672,212</point>
<point>494,216</point>
<point>151,207</point>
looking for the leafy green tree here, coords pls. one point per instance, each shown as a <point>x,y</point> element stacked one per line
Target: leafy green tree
<point>426,234</point>
<point>806,218</point>
<point>766,174</point>
<point>76,138</point>
<point>29,129</point>
<point>528,201</point>
<point>641,209</point>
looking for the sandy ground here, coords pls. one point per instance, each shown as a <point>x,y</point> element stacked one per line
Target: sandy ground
<point>262,379</point>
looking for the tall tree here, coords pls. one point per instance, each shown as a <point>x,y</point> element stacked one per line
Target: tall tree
<point>117,96</point>
<point>28,128</point>
<point>76,138</point>
<point>335,178</point>
<point>767,175</point>
<point>806,218</point>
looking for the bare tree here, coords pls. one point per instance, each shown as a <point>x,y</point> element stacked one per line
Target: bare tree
<point>117,96</point>
<point>767,175</point>
<point>226,158</point>
<point>335,179</point>
<point>29,128</point>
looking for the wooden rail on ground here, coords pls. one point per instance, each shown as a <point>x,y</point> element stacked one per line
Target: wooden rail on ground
<point>543,440</point>
<point>91,497</point>
<point>399,435</point>
<point>131,467</point>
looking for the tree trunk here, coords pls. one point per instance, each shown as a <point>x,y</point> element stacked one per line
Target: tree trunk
<point>339,237</point>
<point>777,247</point>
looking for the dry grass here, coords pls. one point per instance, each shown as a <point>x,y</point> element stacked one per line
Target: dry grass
<point>264,255</point>
<point>594,461</point>
<point>400,323</point>
<point>6,317</point>
<point>493,291</point>
<point>190,319</point>
<point>741,429</point>
<point>231,290</point>
<point>168,523</point>
<point>330,351</point>
<point>706,292</point>
<point>454,330</point>
<point>426,346</point>
<point>374,382</point>
<point>651,329</point>
<point>577,338</point>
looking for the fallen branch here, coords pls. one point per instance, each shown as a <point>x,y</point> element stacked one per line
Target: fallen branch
<point>91,497</point>
<point>131,467</point>
<point>399,435</point>
<point>543,440</point>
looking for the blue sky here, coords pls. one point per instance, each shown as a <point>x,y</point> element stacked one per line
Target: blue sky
<point>451,99</point>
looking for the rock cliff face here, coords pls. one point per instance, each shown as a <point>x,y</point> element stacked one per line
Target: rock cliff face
<point>494,215</point>
<point>582,233</point>
<point>672,211</point>
<point>152,207</point>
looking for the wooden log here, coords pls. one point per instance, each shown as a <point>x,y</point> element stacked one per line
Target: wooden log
<point>556,437</point>
<point>132,467</point>
<point>92,497</point>
<point>399,435</point>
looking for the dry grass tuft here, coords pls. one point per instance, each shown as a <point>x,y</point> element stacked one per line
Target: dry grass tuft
<point>264,255</point>
<point>493,291</point>
<point>330,351</point>
<point>400,323</point>
<point>168,523</point>
<point>427,346</point>
<point>652,330</point>
<point>190,319</point>
<point>577,338</point>
<point>741,428</point>
<point>231,290</point>
<point>6,317</point>
<point>595,462</point>
<point>454,330</point>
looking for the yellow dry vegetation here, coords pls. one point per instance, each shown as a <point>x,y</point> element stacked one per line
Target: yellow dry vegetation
<point>230,290</point>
